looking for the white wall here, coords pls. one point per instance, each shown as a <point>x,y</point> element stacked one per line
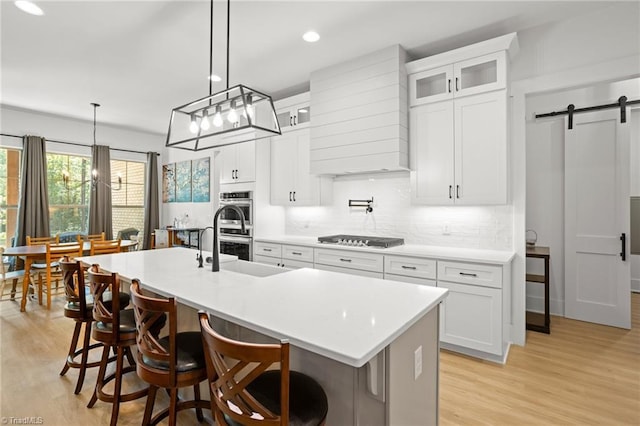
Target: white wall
<point>21,122</point>
<point>545,176</point>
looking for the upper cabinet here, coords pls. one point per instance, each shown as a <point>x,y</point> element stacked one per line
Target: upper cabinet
<point>238,163</point>
<point>294,112</point>
<point>292,183</point>
<point>458,125</point>
<point>469,77</point>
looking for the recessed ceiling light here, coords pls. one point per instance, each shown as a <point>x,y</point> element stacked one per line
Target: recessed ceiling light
<point>215,78</point>
<point>30,8</point>
<point>311,36</point>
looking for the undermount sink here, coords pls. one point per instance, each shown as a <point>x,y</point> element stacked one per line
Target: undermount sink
<point>251,268</point>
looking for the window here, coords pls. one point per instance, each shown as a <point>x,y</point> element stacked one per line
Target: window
<point>128,197</point>
<point>9,193</point>
<point>69,184</point>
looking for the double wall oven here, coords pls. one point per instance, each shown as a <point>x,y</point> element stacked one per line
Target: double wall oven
<point>232,239</point>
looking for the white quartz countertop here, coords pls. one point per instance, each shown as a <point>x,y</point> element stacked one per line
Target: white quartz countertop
<point>343,317</point>
<point>417,250</point>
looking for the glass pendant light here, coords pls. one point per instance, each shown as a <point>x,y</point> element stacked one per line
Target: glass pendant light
<point>204,123</point>
<point>217,117</point>
<point>233,115</point>
<point>193,127</point>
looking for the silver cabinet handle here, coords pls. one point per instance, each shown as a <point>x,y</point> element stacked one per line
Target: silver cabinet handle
<point>468,275</point>
<point>457,191</point>
<point>409,267</point>
<point>291,121</point>
<point>294,195</point>
<point>450,188</point>
<point>290,196</point>
<point>345,260</point>
<point>297,253</point>
<point>457,90</point>
<point>449,85</point>
<point>266,249</point>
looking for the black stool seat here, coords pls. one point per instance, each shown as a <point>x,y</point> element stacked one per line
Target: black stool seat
<point>189,353</point>
<point>308,404</point>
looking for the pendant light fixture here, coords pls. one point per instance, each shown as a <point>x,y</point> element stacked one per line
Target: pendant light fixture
<point>234,115</point>
<point>95,177</point>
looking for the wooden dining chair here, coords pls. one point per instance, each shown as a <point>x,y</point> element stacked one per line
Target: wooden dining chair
<point>52,272</point>
<point>244,392</point>
<point>7,276</point>
<point>100,237</point>
<point>171,362</point>
<point>105,246</point>
<point>116,330</point>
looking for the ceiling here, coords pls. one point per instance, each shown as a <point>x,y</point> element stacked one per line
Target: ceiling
<point>140,59</point>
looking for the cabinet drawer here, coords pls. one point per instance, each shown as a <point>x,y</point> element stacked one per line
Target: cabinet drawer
<point>295,264</point>
<point>267,249</point>
<point>350,259</point>
<point>410,266</point>
<point>350,271</point>
<point>470,273</point>
<point>301,253</point>
<point>412,280</point>
<point>273,261</point>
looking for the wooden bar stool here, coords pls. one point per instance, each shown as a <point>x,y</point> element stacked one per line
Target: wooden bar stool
<point>172,362</point>
<point>79,307</point>
<point>244,393</point>
<point>116,329</point>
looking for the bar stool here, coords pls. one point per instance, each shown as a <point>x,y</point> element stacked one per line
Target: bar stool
<point>117,331</point>
<point>172,362</point>
<point>79,307</point>
<point>244,393</point>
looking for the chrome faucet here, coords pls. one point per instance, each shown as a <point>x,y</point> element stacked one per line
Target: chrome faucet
<point>215,267</point>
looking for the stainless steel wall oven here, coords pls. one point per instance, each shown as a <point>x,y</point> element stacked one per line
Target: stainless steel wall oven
<point>232,239</point>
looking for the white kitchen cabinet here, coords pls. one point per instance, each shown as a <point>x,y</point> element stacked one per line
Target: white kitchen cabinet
<point>350,259</point>
<point>459,151</point>
<point>294,112</point>
<point>464,78</point>
<point>283,255</point>
<point>292,183</point>
<point>471,315</point>
<point>458,124</point>
<point>238,163</point>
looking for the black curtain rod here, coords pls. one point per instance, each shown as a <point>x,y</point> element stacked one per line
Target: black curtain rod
<point>571,109</point>
<point>78,144</point>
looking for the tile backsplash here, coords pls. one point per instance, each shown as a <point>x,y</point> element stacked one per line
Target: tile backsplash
<point>483,227</point>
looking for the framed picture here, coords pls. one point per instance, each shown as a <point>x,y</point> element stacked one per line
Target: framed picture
<point>200,180</point>
<point>183,181</point>
<point>169,183</point>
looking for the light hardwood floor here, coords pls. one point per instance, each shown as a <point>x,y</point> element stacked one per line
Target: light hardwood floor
<point>579,374</point>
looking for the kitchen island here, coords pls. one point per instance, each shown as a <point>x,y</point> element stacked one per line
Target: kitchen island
<point>372,344</point>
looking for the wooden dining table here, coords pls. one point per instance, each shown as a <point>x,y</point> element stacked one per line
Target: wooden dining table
<point>31,253</point>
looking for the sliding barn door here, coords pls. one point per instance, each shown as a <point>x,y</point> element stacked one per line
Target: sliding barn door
<point>597,279</point>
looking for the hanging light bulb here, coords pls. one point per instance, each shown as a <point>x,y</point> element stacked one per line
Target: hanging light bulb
<point>233,115</point>
<point>193,127</point>
<point>217,117</point>
<point>249,107</point>
<point>204,123</point>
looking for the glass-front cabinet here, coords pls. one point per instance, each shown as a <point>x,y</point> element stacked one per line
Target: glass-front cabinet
<point>294,112</point>
<point>481,74</point>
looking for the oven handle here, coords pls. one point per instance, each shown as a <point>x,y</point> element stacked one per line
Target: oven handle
<point>234,239</point>
<point>238,201</point>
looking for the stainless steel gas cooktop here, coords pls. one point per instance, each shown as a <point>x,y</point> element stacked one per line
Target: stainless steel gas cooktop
<point>361,241</point>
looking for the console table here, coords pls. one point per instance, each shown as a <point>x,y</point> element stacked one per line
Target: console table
<point>536,321</point>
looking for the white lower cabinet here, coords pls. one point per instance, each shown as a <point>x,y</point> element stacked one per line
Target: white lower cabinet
<point>350,271</point>
<point>283,255</point>
<point>471,314</point>
<point>412,280</point>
